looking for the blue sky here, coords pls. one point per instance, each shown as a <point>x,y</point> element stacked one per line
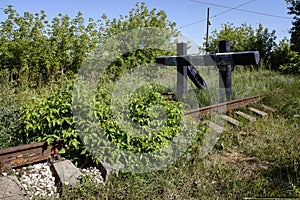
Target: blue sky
<point>183,12</point>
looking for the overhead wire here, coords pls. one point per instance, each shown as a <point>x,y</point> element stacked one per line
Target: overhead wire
<point>242,10</point>
<point>202,20</point>
<point>226,11</point>
<point>229,10</point>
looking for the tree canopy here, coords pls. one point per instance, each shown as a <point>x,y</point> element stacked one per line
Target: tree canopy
<point>35,50</point>
<point>245,38</point>
<point>294,9</point>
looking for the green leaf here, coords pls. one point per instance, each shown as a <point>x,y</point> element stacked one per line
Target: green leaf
<point>62,151</point>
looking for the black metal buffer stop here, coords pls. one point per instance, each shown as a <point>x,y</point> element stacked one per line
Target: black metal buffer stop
<point>185,66</point>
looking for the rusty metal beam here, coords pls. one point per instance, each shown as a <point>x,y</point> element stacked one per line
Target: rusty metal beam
<point>25,154</point>
<point>221,107</point>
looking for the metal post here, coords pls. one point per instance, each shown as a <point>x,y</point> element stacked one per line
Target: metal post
<point>225,74</point>
<point>181,70</point>
<point>207,31</point>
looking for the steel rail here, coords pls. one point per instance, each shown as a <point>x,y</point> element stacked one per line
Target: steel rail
<point>38,152</point>
<point>26,154</point>
<point>223,107</point>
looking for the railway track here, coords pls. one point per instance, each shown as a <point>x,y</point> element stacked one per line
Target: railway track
<point>220,110</point>
<point>27,154</point>
<point>32,155</point>
<point>19,156</point>
<point>230,105</point>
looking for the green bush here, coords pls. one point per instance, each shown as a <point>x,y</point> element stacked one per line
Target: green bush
<point>9,117</point>
<point>284,59</point>
<point>149,110</point>
<point>51,120</point>
<point>280,55</point>
<point>9,124</point>
<point>293,65</point>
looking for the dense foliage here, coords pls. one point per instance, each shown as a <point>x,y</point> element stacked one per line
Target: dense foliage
<point>245,38</point>
<point>157,126</point>
<point>38,53</point>
<point>41,54</point>
<point>293,64</point>
<point>294,9</point>
<point>34,50</point>
<point>279,57</point>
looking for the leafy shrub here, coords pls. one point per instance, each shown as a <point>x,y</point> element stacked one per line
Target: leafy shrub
<point>146,125</point>
<point>293,65</point>
<point>284,59</point>
<point>149,110</point>
<point>9,124</point>
<point>9,117</point>
<point>50,120</point>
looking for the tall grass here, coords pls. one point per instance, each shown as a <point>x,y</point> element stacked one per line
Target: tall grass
<point>259,159</point>
<point>256,160</point>
<point>247,83</point>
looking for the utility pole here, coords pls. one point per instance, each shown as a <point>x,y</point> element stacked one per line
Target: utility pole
<point>207,30</point>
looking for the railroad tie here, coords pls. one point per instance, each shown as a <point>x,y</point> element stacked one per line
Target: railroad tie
<point>246,116</point>
<point>230,120</point>
<point>268,108</point>
<point>219,129</point>
<point>259,112</point>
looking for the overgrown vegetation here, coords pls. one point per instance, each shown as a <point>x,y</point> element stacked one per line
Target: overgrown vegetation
<point>39,63</point>
<point>35,51</point>
<point>294,9</point>
<point>259,159</point>
<point>245,38</point>
<point>42,59</point>
<point>283,57</point>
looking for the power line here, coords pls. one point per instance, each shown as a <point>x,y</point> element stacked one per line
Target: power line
<point>226,11</point>
<point>270,22</point>
<point>242,10</point>
<point>196,22</point>
<point>230,9</point>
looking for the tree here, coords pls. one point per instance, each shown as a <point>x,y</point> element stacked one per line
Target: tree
<point>280,55</point>
<point>139,19</point>
<point>240,37</point>
<point>264,42</point>
<point>294,7</point>
<point>34,51</point>
<point>245,38</point>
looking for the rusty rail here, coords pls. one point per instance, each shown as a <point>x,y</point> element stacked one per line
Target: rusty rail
<point>26,154</point>
<point>38,152</point>
<point>221,107</point>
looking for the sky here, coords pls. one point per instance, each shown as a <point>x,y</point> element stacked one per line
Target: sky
<point>190,15</point>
